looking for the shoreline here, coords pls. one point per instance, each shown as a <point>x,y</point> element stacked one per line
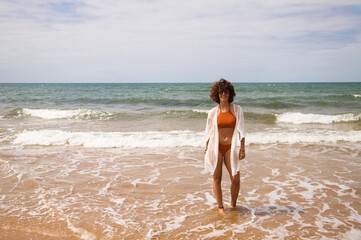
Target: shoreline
<point>284,189</point>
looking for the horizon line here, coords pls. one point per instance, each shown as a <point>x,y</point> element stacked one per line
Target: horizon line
<point>167,82</point>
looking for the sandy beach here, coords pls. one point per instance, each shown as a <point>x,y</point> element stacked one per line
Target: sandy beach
<point>298,192</point>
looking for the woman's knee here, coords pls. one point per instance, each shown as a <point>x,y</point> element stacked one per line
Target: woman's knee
<point>236,180</point>
<point>217,179</point>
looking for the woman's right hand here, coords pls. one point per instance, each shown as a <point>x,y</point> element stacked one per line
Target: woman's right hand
<point>242,154</point>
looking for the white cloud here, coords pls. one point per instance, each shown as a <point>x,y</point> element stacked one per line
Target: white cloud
<point>178,40</point>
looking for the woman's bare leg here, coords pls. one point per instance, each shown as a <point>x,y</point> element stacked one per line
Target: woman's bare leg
<point>217,183</point>
<point>235,180</point>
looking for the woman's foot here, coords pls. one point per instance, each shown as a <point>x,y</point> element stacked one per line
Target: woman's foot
<point>221,210</point>
<point>232,205</point>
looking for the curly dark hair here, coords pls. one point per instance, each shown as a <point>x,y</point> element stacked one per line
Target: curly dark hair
<point>222,84</point>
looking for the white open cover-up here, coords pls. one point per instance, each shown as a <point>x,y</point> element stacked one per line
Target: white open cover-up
<point>211,135</point>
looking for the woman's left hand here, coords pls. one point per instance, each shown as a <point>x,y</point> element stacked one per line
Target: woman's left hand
<point>242,155</point>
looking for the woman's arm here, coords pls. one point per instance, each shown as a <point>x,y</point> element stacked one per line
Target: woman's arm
<point>242,151</point>
<point>208,129</point>
<point>206,147</point>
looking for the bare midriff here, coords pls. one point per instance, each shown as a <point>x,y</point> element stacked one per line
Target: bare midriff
<point>225,135</point>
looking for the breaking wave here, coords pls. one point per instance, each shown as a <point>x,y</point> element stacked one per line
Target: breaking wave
<point>60,113</point>
<point>302,118</point>
<point>184,138</point>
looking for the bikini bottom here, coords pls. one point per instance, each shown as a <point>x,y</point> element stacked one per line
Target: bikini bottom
<point>224,148</point>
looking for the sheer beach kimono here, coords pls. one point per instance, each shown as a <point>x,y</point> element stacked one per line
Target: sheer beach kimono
<point>211,136</point>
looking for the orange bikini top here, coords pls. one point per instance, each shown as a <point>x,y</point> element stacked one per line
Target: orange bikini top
<point>226,120</point>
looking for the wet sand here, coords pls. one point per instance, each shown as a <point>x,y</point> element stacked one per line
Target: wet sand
<point>287,192</point>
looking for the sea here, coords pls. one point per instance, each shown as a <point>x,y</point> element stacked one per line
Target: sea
<point>126,161</point>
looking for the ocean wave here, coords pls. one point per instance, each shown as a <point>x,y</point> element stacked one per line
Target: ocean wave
<point>110,139</point>
<point>303,118</point>
<point>356,95</point>
<point>200,111</point>
<point>49,114</point>
<point>271,104</point>
<point>184,114</point>
<point>183,138</point>
<point>148,100</point>
<point>298,118</point>
<point>267,117</point>
<point>88,114</point>
<point>314,137</point>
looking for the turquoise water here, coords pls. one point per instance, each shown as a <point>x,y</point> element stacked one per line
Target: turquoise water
<point>104,114</point>
<point>158,98</point>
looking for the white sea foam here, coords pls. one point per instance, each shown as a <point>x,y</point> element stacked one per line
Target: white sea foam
<point>174,223</point>
<point>317,136</point>
<point>216,233</point>
<point>200,111</point>
<point>352,234</point>
<point>356,95</point>
<point>301,118</point>
<point>184,138</point>
<point>83,233</point>
<point>65,114</point>
<point>110,139</point>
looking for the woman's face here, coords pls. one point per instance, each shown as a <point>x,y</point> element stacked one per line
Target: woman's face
<point>223,95</point>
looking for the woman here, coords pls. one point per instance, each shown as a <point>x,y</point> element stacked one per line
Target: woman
<point>225,140</point>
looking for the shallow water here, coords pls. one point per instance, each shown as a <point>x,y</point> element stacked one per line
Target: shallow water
<point>286,192</point>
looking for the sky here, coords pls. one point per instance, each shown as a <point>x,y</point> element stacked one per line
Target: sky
<point>180,41</point>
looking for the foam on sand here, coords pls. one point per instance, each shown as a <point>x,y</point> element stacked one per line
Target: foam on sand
<point>315,137</point>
